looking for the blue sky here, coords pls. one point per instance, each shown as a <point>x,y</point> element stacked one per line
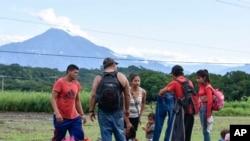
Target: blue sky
<point>207,31</point>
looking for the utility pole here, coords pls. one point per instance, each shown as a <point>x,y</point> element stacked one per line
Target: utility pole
<point>2,82</point>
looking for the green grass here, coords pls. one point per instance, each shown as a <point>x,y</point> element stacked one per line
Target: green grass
<point>21,126</point>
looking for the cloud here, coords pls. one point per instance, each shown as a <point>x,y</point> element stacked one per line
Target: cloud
<point>49,17</point>
<point>151,54</point>
<point>172,57</point>
<point>5,39</point>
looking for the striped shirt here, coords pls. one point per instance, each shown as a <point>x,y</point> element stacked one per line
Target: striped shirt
<point>133,103</point>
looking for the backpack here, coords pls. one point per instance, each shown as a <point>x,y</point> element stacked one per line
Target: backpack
<point>109,92</point>
<point>191,101</point>
<point>218,99</point>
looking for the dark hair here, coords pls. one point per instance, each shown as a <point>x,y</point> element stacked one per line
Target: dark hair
<point>223,133</point>
<point>151,115</point>
<point>204,74</point>
<point>177,70</point>
<point>71,67</point>
<point>132,76</point>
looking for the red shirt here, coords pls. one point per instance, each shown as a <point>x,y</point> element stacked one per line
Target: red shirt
<point>207,92</point>
<point>67,93</point>
<point>176,87</point>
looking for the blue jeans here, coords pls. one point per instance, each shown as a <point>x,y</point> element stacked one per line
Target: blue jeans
<point>111,122</point>
<point>203,119</point>
<point>164,107</point>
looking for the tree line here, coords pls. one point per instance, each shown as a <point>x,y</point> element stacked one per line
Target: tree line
<point>235,84</point>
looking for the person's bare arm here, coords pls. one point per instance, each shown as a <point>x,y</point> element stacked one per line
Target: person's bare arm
<point>79,105</point>
<point>93,97</point>
<point>144,95</point>
<point>162,91</point>
<point>146,129</point>
<point>123,80</point>
<point>53,98</point>
<point>126,92</point>
<point>79,108</point>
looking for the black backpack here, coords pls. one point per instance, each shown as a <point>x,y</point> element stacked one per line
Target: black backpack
<point>191,101</point>
<point>109,92</point>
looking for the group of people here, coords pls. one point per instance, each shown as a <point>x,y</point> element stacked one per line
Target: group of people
<point>69,115</point>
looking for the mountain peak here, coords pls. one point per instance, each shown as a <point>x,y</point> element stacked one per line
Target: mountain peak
<point>55,48</point>
<point>56,31</point>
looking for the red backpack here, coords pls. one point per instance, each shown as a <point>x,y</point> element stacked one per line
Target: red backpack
<point>218,99</point>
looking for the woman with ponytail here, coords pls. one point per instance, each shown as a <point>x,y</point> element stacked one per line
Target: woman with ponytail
<point>205,93</point>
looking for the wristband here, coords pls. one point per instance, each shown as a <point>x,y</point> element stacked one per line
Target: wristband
<point>91,111</point>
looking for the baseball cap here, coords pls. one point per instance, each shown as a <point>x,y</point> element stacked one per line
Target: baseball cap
<point>108,61</point>
<point>176,69</point>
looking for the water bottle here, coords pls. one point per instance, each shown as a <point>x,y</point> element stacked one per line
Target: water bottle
<point>210,124</point>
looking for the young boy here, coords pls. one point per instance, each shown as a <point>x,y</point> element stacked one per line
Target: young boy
<point>223,134</point>
<point>149,129</point>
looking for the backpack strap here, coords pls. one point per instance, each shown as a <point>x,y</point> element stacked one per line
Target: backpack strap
<point>136,104</point>
<point>204,98</point>
<point>113,73</point>
<point>182,83</point>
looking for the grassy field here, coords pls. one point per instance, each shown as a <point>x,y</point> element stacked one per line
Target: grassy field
<point>22,126</point>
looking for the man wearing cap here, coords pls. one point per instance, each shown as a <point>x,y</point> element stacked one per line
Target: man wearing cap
<point>111,122</point>
<point>176,87</point>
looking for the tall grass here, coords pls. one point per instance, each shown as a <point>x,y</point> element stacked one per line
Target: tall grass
<point>32,101</point>
<point>40,102</point>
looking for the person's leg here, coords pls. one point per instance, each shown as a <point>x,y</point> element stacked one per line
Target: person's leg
<point>60,129</point>
<point>106,126</point>
<point>203,119</point>
<point>189,122</point>
<point>134,122</point>
<point>76,129</point>
<point>118,125</point>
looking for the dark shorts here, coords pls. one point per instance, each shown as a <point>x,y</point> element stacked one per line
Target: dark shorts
<point>73,126</point>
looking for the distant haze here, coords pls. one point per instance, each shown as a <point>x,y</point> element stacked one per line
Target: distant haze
<point>56,48</point>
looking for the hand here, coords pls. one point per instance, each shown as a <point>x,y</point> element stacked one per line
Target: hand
<point>92,116</point>
<point>129,125</point>
<point>83,119</point>
<point>126,113</point>
<point>59,118</point>
<point>210,120</point>
<point>161,92</point>
<point>143,128</point>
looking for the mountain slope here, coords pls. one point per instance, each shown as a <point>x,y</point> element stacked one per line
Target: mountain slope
<point>56,49</point>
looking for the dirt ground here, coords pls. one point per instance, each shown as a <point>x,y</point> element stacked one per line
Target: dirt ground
<point>25,115</point>
<point>20,126</point>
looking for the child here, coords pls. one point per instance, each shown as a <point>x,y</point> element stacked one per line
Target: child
<point>223,134</point>
<point>149,129</point>
<point>227,137</point>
